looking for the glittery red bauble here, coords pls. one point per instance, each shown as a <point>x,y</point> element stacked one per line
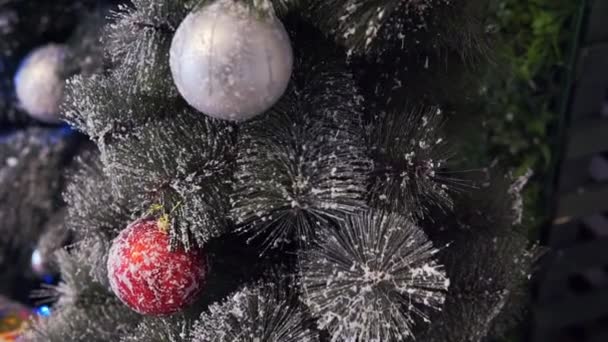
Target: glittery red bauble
<point>148,277</point>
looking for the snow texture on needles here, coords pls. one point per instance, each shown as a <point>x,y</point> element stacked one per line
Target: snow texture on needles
<point>410,158</point>
<point>155,149</point>
<point>92,207</point>
<point>181,165</point>
<point>139,39</point>
<point>281,7</point>
<point>256,313</point>
<point>373,28</point>
<point>373,269</point>
<point>303,163</point>
<point>139,87</point>
<point>105,106</point>
<point>175,328</point>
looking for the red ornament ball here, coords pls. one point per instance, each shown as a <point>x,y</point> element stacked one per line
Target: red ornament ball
<point>148,277</point>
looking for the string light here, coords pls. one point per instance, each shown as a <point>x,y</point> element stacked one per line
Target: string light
<point>44,311</point>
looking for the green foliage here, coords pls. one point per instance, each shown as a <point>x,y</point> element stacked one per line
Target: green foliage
<point>521,94</point>
<point>523,86</point>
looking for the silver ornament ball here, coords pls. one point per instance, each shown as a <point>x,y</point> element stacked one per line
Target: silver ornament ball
<point>39,86</point>
<point>231,62</point>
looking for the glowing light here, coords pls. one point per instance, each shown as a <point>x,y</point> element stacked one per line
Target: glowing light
<point>37,262</point>
<point>43,311</point>
<point>48,279</point>
<point>36,258</point>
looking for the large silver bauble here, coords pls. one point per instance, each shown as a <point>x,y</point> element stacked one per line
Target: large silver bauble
<point>38,84</point>
<point>230,62</point>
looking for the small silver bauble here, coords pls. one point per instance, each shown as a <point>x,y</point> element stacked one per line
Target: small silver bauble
<point>231,62</point>
<point>39,86</point>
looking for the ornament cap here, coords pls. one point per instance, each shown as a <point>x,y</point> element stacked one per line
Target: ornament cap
<point>164,223</point>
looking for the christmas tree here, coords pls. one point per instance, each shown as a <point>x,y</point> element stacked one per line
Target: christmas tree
<point>284,171</point>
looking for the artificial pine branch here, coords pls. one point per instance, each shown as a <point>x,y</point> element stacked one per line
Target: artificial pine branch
<point>138,41</point>
<point>138,87</point>
<point>263,312</point>
<point>93,210</point>
<point>180,167</point>
<point>303,163</point>
<point>104,106</point>
<point>299,172</point>
<point>374,268</point>
<point>155,148</point>
<point>411,159</point>
<point>175,328</point>
<point>84,309</point>
<point>378,28</point>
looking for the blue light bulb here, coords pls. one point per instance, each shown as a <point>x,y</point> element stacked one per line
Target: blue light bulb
<point>43,311</point>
